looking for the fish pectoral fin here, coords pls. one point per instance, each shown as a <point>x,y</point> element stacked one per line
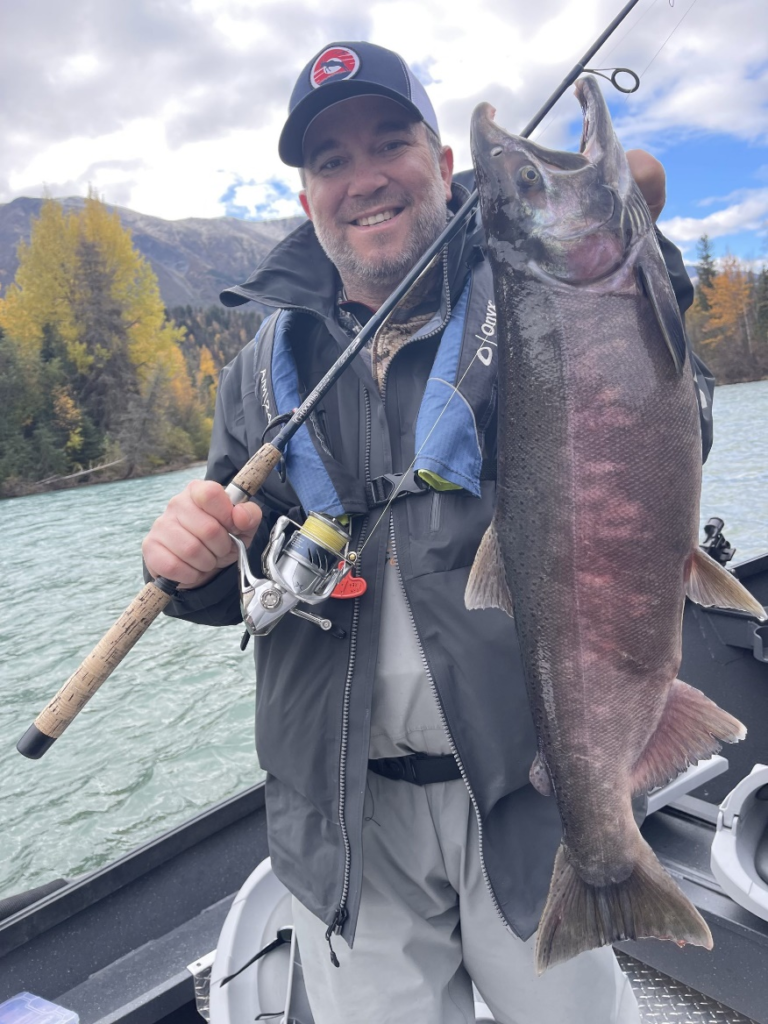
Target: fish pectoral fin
<point>539,776</point>
<point>487,585</point>
<point>662,299</point>
<point>690,729</point>
<point>647,904</point>
<point>710,584</point>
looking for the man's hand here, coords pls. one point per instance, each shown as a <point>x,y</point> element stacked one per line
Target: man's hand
<point>190,541</point>
<point>651,179</point>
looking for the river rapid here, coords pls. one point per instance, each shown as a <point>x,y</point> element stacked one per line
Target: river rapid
<point>171,732</point>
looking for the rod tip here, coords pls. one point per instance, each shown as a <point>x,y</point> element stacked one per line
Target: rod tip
<point>33,743</point>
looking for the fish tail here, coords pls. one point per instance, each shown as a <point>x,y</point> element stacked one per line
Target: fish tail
<point>579,916</point>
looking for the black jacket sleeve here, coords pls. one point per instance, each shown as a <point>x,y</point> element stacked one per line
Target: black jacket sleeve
<point>217,603</point>
<point>705,381</point>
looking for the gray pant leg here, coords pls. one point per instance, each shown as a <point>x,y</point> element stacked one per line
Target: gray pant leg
<point>590,989</point>
<point>406,962</point>
<point>422,872</point>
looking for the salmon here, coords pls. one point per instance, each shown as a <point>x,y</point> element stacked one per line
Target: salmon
<point>593,543</point>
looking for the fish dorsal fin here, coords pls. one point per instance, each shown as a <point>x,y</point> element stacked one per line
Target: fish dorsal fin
<point>664,305</point>
<point>487,585</point>
<point>710,584</point>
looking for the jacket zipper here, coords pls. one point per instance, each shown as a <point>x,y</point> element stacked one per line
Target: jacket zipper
<point>434,512</point>
<point>341,911</point>
<point>444,720</point>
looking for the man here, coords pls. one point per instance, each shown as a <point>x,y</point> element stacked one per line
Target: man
<point>397,753</point>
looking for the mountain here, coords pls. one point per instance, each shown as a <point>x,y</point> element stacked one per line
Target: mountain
<point>193,258</point>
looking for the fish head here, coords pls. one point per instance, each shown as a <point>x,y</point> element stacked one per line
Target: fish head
<point>563,214</point>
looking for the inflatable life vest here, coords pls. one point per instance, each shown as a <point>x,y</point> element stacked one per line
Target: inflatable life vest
<point>456,408</point>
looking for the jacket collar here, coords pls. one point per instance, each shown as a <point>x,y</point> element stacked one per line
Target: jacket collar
<point>297,274</point>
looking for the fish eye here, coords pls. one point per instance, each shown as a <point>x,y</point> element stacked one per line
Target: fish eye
<point>497,151</point>
<point>529,175</point>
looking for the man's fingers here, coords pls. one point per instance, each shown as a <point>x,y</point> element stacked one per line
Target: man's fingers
<point>212,499</point>
<point>247,519</point>
<point>203,540</point>
<point>190,541</point>
<point>242,519</point>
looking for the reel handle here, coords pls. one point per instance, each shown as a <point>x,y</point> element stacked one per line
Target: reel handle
<point>126,631</point>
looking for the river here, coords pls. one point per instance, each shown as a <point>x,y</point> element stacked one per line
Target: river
<point>171,732</point>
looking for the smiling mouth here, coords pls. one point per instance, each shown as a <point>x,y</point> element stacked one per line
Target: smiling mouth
<point>376,218</point>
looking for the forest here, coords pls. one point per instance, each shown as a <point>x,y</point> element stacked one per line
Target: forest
<point>728,322</point>
<point>98,381</point>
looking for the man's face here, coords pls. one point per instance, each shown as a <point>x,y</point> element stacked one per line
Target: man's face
<point>375,190</point>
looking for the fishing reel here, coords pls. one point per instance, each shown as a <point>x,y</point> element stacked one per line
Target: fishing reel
<point>716,545</point>
<point>301,564</point>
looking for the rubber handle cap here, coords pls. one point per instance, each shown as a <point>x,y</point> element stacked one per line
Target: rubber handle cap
<point>33,743</point>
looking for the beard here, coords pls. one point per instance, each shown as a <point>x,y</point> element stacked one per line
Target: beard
<point>388,269</point>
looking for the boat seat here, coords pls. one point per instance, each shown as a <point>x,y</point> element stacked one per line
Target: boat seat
<point>739,857</point>
<point>761,857</point>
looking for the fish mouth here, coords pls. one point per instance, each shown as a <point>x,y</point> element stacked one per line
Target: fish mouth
<point>489,141</point>
<point>565,211</point>
<point>598,139</point>
<point>593,125</point>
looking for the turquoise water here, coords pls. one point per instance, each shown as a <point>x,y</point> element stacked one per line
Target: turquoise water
<point>171,732</point>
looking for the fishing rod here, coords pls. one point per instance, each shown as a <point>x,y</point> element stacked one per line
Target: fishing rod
<point>155,596</point>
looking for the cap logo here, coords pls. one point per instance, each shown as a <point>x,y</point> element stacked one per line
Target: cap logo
<point>334,64</point>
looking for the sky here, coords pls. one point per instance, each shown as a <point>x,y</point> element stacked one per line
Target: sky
<point>174,107</point>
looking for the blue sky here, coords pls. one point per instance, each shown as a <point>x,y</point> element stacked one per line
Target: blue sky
<point>710,173</point>
<point>174,109</point>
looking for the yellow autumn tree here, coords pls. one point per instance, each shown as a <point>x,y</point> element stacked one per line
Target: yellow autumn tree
<point>42,290</point>
<point>728,296</point>
<point>86,305</point>
<point>207,378</point>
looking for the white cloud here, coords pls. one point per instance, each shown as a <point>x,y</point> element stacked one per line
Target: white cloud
<point>165,106</point>
<point>749,213</point>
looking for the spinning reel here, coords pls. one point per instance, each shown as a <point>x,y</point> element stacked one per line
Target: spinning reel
<point>301,564</point>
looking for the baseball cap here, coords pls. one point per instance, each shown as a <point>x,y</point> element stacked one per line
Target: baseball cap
<point>340,71</point>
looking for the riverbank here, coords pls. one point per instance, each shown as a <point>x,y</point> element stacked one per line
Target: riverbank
<point>110,473</point>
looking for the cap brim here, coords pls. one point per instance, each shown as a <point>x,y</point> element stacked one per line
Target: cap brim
<point>291,145</point>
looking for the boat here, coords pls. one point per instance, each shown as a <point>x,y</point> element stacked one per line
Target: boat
<point>149,938</point>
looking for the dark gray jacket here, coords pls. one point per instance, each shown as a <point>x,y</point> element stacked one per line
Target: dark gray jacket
<point>314,690</point>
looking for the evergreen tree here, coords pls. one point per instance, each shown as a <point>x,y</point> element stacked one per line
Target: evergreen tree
<point>761,305</point>
<point>706,271</point>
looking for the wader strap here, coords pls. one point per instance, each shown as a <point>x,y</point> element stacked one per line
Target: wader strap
<point>284,935</point>
<point>419,769</point>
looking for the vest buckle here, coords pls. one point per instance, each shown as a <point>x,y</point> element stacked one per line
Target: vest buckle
<point>392,486</point>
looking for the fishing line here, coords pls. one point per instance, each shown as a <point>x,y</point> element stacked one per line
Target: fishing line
<point>637,78</point>
<point>677,26</point>
<point>634,26</point>
<point>548,124</point>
